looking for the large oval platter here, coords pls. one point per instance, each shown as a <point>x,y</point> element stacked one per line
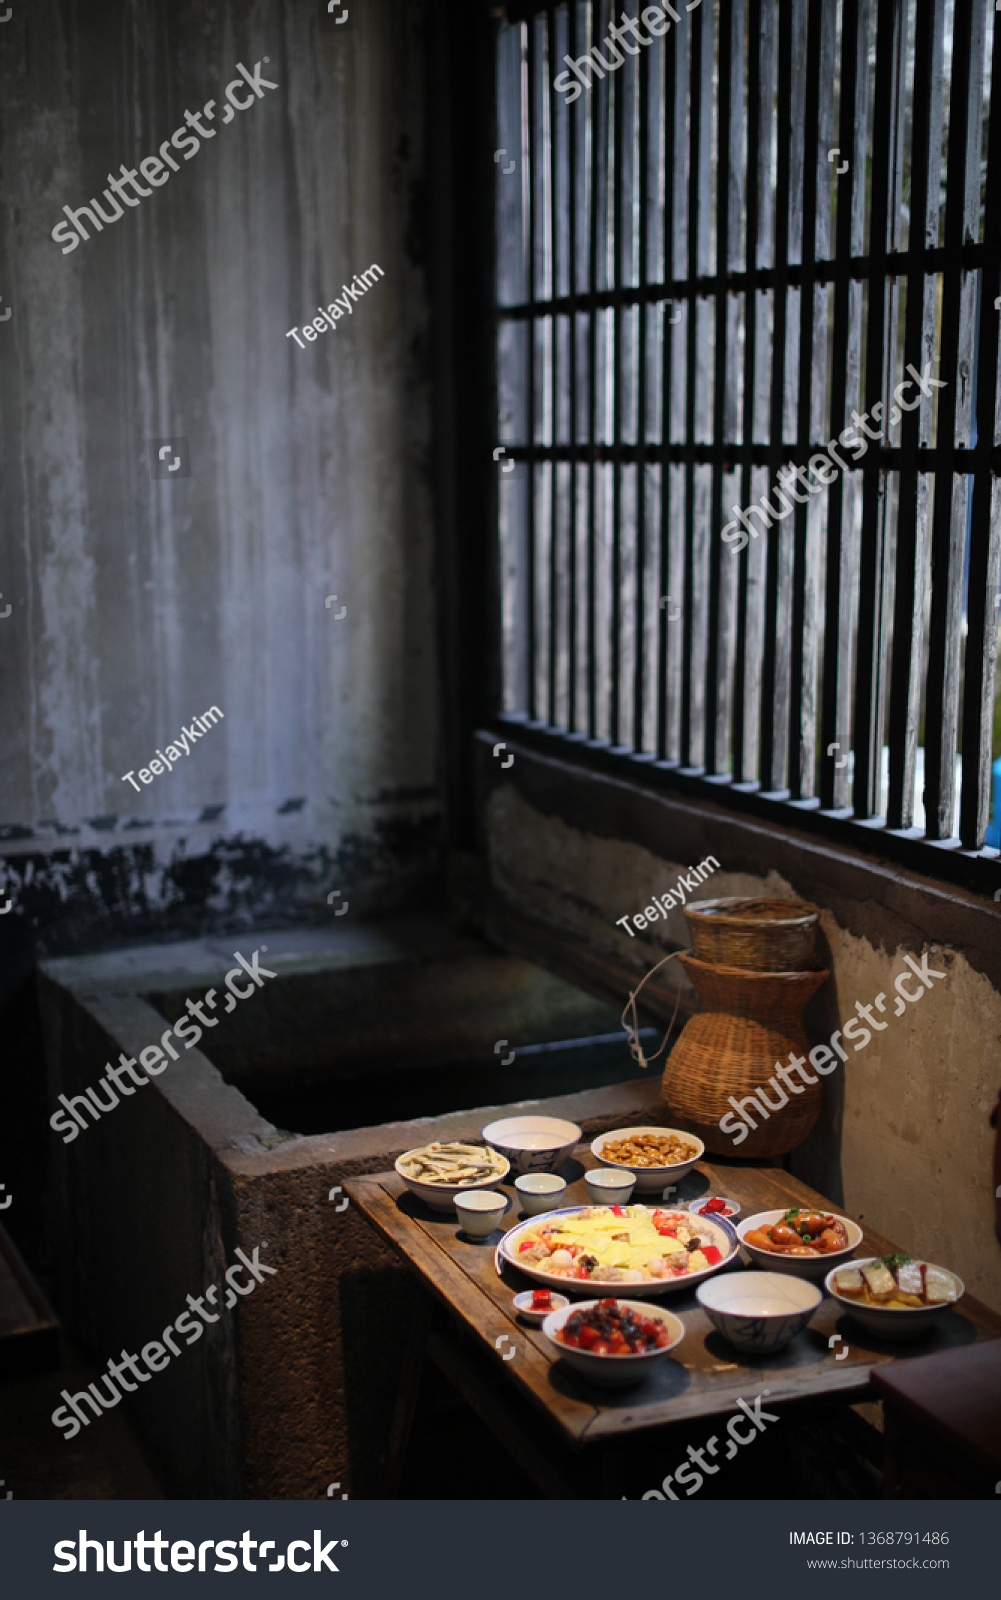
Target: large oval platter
<point>719,1232</point>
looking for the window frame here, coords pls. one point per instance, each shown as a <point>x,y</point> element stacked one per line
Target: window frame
<point>825,815</point>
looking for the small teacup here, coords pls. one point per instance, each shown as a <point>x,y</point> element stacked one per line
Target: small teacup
<point>608,1187</point>
<point>539,1191</point>
<point>479,1211</point>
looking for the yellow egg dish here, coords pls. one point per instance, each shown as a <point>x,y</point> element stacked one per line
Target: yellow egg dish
<point>626,1240</point>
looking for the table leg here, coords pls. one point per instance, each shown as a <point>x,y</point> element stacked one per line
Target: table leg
<point>611,1472</point>
<point>406,1401</point>
<point>891,1453</point>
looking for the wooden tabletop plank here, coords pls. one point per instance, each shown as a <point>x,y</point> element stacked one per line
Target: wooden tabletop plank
<point>704,1376</point>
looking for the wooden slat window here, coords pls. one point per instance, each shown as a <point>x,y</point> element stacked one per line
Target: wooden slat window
<point>721,248</point>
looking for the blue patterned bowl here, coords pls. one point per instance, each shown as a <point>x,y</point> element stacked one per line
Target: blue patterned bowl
<point>532,1144</point>
<point>758,1311</point>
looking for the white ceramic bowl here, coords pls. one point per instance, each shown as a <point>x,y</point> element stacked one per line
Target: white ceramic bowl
<point>523,1303</point>
<point>532,1144</point>
<point>539,1191</point>
<point>609,1186</point>
<point>479,1212</point>
<point>887,1324</point>
<point>614,1371</point>
<point>812,1267</point>
<point>731,1213</point>
<point>721,1233</point>
<point>759,1311</point>
<point>649,1179</point>
<point>440,1196</point>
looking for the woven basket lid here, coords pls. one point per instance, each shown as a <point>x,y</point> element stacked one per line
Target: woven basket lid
<point>735,912</point>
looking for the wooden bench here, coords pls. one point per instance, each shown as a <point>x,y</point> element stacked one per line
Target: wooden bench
<point>942,1425</point>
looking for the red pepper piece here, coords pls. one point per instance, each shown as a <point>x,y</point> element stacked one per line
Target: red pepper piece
<point>712,1255</point>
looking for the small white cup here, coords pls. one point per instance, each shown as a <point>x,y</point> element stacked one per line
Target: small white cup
<point>607,1187</point>
<point>539,1191</point>
<point>479,1211</point>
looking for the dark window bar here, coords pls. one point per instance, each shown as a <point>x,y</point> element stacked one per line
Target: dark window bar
<point>727,245</point>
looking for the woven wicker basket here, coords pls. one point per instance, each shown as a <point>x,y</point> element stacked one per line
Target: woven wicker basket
<point>750,1021</point>
<point>761,935</point>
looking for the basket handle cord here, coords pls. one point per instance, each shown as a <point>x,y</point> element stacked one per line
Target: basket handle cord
<point>632,1027</point>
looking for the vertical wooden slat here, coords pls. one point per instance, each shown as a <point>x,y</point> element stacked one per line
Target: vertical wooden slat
<point>811,371</point>
<point>615,211</point>
<point>774,685</point>
<point>919,352</point>
<point>761,86</point>
<point>985,526</point>
<point>573,123</point>
<point>549,34</point>
<point>592,403</point>
<point>700,98</point>
<point>729,206</point>
<point>954,417</point>
<point>751,213</point>
<point>670,693</point>
<point>880,335</point>
<point>835,736</point>
<point>532,641</point>
<point>639,670</point>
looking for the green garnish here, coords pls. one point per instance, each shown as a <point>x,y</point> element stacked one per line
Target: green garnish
<point>791,1216</point>
<point>895,1262</point>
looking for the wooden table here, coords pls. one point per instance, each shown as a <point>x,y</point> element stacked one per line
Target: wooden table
<point>701,1379</point>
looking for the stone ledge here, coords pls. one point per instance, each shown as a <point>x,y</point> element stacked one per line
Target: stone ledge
<point>372,1149</point>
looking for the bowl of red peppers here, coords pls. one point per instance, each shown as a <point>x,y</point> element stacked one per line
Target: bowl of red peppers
<point>714,1205</point>
<point>614,1342</point>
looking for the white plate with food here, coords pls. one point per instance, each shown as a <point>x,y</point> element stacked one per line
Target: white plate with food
<point>894,1296</point>
<point>655,1156</point>
<point>614,1342</point>
<point>640,1250</point>
<point>438,1172</point>
<point>807,1243</point>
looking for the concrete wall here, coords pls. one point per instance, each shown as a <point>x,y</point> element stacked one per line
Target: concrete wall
<point>903,1138</point>
<point>139,603</point>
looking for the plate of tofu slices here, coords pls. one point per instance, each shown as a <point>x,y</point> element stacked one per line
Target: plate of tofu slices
<point>894,1296</point>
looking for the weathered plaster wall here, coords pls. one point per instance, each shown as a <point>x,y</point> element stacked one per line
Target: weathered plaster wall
<point>138,603</point>
<point>903,1137</point>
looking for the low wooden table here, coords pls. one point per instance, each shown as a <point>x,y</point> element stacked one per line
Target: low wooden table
<point>702,1378</point>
